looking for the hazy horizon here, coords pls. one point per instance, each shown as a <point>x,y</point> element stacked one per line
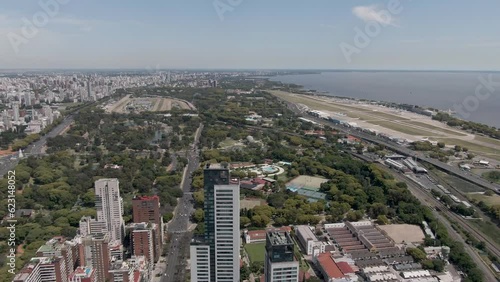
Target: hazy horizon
<point>221,34</point>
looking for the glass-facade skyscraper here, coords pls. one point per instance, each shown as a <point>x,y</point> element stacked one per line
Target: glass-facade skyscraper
<point>280,264</point>
<point>216,259</point>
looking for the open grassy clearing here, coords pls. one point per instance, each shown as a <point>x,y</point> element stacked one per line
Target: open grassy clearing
<point>488,200</point>
<point>491,156</point>
<point>228,142</point>
<point>382,115</point>
<point>432,127</point>
<point>256,251</point>
<point>487,140</point>
<point>158,104</point>
<point>458,183</point>
<point>404,128</point>
<point>487,228</point>
<point>249,203</point>
<point>471,146</point>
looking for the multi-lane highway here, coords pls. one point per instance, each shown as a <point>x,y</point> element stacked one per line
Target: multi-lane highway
<point>35,148</point>
<point>177,229</point>
<point>400,149</point>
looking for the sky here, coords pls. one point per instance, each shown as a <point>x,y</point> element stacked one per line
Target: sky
<point>251,34</point>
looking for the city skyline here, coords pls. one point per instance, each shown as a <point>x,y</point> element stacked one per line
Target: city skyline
<point>215,35</point>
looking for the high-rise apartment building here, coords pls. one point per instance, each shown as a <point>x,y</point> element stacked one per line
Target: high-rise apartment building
<point>279,263</point>
<point>44,269</point>
<point>94,252</point>
<point>15,110</point>
<point>89,226</point>
<point>59,247</point>
<point>27,99</point>
<point>109,206</point>
<point>89,92</point>
<point>143,237</point>
<point>221,240</point>
<point>134,269</point>
<point>147,209</point>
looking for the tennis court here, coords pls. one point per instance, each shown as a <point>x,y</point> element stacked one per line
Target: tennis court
<point>307,186</point>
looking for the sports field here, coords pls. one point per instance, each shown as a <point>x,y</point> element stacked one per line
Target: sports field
<point>256,251</point>
<point>307,182</point>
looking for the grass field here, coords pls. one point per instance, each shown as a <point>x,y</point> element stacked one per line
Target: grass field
<point>458,183</point>
<point>157,104</point>
<point>488,228</point>
<point>487,140</point>
<point>491,175</point>
<point>401,127</point>
<point>256,251</point>
<point>488,200</point>
<point>228,142</point>
<point>479,149</point>
<point>432,127</point>
<point>251,203</point>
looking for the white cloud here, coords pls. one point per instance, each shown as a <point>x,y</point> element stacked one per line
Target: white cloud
<point>373,13</point>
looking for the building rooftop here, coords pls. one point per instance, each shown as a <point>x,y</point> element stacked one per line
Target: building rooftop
<point>329,266</point>
<point>82,272</point>
<point>306,232</point>
<point>217,166</point>
<point>279,238</point>
<point>146,198</point>
<point>257,234</point>
<point>345,267</point>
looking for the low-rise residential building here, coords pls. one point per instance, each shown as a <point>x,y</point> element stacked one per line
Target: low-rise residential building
<point>308,241</point>
<point>329,269</point>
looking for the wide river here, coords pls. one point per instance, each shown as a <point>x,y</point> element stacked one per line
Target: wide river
<point>441,90</point>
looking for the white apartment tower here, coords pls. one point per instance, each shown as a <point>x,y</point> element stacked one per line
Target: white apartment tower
<point>109,206</point>
<point>227,231</point>
<point>27,99</point>
<point>15,109</point>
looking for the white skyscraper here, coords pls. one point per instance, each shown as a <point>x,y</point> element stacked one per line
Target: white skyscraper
<point>227,232</point>
<point>109,206</point>
<point>47,111</point>
<point>27,99</point>
<point>15,108</point>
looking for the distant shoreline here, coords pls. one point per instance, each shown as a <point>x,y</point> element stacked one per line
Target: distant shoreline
<point>438,91</point>
<point>299,89</point>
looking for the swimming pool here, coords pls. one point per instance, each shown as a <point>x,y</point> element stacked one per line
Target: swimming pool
<point>269,169</point>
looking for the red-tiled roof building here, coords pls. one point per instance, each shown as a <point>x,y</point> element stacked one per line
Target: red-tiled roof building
<point>328,267</point>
